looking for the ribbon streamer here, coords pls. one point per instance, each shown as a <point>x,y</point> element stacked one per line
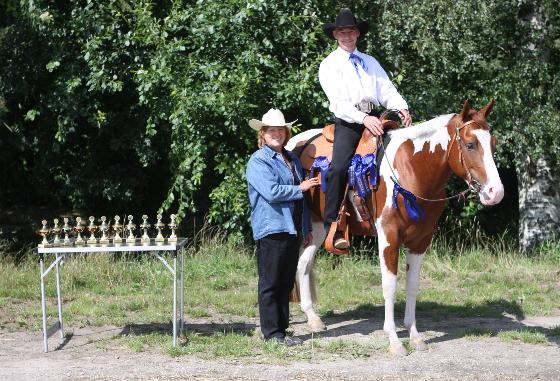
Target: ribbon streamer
<point>321,163</point>
<point>414,210</point>
<point>358,172</point>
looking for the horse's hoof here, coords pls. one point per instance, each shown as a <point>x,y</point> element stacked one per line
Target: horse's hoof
<point>398,350</point>
<point>419,344</point>
<point>316,325</point>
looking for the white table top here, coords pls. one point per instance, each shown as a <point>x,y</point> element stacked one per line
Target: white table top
<point>112,247</point>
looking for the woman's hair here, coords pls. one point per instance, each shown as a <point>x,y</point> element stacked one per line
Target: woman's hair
<point>260,136</point>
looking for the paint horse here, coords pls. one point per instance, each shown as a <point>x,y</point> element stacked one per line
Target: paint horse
<point>410,197</point>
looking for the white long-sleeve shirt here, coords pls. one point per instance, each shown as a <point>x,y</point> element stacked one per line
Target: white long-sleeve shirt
<point>345,88</point>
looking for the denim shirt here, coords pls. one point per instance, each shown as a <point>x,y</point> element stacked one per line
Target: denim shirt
<point>272,192</point>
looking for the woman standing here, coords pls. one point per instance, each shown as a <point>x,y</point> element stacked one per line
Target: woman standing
<point>279,219</point>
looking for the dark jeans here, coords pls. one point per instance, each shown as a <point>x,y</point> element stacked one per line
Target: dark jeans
<point>346,139</point>
<point>277,258</point>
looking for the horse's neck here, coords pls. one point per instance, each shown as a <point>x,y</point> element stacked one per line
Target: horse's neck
<point>420,155</point>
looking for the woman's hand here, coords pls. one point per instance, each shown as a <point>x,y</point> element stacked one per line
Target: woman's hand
<point>308,239</point>
<point>308,184</point>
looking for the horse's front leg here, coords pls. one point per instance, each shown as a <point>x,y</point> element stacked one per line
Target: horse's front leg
<point>388,261</point>
<point>306,280</point>
<point>414,263</point>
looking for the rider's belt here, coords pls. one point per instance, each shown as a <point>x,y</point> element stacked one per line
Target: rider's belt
<point>364,106</point>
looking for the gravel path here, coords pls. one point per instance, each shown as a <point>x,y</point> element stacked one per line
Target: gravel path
<point>449,356</point>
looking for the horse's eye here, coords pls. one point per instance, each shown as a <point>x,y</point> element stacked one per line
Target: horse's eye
<point>470,146</point>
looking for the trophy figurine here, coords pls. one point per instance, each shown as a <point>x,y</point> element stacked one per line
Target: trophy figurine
<point>44,232</point>
<point>172,225</point>
<point>130,227</point>
<point>117,227</point>
<point>56,231</point>
<point>78,229</point>
<point>104,240</point>
<point>159,226</point>
<point>145,226</point>
<point>92,229</point>
<point>66,230</point>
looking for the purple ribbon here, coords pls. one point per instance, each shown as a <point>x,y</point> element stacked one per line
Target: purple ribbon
<point>414,210</point>
<point>360,168</point>
<point>321,163</point>
<point>357,60</point>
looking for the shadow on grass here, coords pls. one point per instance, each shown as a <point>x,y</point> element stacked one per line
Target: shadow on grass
<point>207,329</point>
<point>451,320</point>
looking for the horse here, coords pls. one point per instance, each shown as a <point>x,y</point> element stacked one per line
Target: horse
<point>416,165</point>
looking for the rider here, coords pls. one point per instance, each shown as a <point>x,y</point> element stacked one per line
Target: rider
<point>354,83</point>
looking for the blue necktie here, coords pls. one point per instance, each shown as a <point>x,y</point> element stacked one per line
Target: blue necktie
<point>357,60</point>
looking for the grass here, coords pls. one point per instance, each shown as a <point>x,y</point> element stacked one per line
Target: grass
<point>528,336</point>
<point>221,281</point>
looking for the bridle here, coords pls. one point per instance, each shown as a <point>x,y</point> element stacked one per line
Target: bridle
<point>473,185</point>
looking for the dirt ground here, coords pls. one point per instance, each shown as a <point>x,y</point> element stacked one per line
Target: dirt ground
<point>449,356</point>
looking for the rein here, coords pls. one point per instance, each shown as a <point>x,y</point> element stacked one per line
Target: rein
<point>473,185</point>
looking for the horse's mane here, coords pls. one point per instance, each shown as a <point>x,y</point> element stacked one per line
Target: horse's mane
<point>422,130</point>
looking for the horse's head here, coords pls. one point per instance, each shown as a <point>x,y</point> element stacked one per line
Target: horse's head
<point>470,153</point>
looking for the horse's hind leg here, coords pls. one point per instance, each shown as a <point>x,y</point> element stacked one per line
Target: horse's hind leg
<point>414,263</point>
<point>306,281</point>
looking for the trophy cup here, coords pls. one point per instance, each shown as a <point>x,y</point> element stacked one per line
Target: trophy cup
<point>44,232</point>
<point>78,229</point>
<point>131,239</point>
<point>92,229</point>
<point>159,226</point>
<point>172,225</point>
<point>66,230</point>
<point>104,240</point>
<point>56,231</point>
<point>145,226</point>
<point>117,227</point>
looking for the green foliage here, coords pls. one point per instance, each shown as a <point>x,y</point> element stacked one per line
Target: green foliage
<point>136,105</point>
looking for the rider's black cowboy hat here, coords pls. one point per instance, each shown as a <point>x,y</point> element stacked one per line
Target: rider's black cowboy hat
<point>345,18</point>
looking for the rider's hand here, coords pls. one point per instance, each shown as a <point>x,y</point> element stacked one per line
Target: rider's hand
<point>373,124</point>
<point>309,183</point>
<point>405,117</point>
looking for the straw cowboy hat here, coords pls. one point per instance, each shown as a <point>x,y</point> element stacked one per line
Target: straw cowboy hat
<point>273,117</point>
<point>345,18</point>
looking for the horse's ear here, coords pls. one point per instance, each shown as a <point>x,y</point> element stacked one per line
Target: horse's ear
<point>486,110</point>
<point>466,110</point>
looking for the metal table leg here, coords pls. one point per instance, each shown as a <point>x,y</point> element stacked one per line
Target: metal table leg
<point>182,291</point>
<point>175,299</point>
<point>43,306</point>
<point>60,321</point>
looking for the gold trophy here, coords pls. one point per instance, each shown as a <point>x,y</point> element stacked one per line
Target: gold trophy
<point>92,229</point>
<point>159,226</point>
<point>66,230</point>
<point>104,240</point>
<point>44,232</point>
<point>78,229</point>
<point>172,225</point>
<point>145,226</point>
<point>131,239</point>
<point>56,231</point>
<point>117,227</point>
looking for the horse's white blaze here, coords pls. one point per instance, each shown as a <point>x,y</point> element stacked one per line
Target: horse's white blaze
<point>492,191</point>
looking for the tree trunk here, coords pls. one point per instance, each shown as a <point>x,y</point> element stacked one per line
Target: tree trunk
<point>539,203</point>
